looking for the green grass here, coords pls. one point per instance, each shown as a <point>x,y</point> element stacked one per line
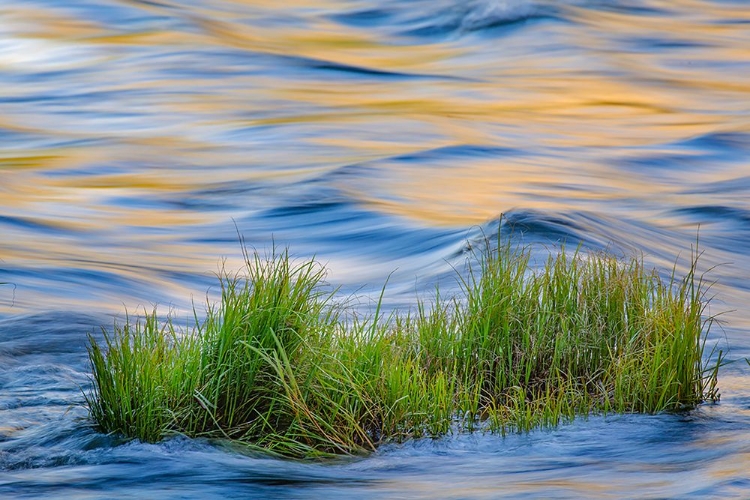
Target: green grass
<point>279,366</point>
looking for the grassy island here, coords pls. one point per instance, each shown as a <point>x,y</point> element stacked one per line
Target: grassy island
<point>279,366</point>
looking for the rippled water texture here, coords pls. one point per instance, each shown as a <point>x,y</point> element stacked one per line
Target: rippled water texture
<point>137,138</point>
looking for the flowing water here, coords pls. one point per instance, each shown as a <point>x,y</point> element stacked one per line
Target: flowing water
<point>139,138</point>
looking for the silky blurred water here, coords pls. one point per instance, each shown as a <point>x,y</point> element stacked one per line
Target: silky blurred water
<point>139,139</point>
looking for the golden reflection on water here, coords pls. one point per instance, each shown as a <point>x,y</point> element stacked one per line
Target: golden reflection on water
<point>158,124</point>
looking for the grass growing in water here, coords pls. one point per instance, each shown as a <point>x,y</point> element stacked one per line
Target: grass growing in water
<point>275,367</point>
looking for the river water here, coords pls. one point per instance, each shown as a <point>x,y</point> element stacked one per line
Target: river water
<point>139,138</point>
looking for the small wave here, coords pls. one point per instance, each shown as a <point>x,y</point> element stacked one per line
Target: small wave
<point>446,18</point>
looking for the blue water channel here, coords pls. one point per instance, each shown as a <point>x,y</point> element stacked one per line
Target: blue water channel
<point>139,140</point>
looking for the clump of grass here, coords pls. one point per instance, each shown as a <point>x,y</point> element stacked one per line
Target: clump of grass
<point>275,367</point>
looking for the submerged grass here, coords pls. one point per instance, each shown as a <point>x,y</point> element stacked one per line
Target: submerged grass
<point>276,367</point>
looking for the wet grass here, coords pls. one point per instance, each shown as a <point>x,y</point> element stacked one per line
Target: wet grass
<point>278,366</point>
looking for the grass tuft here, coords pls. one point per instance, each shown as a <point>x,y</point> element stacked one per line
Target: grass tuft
<point>275,367</point>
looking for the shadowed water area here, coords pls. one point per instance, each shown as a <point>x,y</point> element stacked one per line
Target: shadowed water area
<point>385,138</point>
